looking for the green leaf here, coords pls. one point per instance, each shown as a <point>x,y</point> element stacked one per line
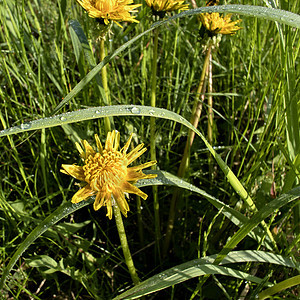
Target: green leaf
<point>38,261</point>
<point>204,266</point>
<point>98,112</point>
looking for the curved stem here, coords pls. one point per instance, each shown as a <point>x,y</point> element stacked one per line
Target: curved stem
<point>124,244</point>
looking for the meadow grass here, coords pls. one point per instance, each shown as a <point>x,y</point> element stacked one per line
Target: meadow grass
<point>240,190</point>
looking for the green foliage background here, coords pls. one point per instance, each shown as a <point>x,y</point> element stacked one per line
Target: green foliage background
<point>48,48</point>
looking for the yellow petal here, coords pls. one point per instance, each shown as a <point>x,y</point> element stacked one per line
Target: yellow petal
<point>126,146</point>
<point>109,209</point>
<point>143,166</point>
<point>121,201</point>
<point>132,189</point>
<point>135,153</point>
<point>80,150</point>
<point>109,141</point>
<point>88,149</point>
<point>98,143</point>
<point>73,170</point>
<point>99,201</point>
<point>117,140</point>
<point>82,194</point>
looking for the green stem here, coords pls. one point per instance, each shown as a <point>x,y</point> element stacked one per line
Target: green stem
<point>152,137</point>
<point>210,115</point>
<point>196,112</point>
<point>140,221</point>
<point>125,247</point>
<point>104,82</point>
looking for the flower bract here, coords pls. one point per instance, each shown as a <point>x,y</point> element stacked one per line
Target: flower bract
<point>110,10</point>
<point>106,174</point>
<point>217,24</point>
<point>166,5</point>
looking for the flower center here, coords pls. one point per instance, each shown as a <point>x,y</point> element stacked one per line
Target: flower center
<point>106,171</point>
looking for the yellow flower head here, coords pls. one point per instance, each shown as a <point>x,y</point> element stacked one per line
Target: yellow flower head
<point>110,10</point>
<point>166,5</point>
<point>106,173</point>
<point>217,24</point>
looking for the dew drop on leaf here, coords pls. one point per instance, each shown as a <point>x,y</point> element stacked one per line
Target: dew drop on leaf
<point>135,110</point>
<point>25,125</point>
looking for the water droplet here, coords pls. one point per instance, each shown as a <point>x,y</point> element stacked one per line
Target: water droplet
<point>135,110</point>
<point>63,118</point>
<point>151,112</point>
<point>25,125</point>
<point>162,276</point>
<point>99,111</point>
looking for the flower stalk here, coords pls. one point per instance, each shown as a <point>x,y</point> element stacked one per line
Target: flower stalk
<point>107,124</point>
<point>124,245</point>
<point>210,114</point>
<point>196,113</point>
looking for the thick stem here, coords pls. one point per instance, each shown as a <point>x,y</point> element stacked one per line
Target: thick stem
<point>125,247</point>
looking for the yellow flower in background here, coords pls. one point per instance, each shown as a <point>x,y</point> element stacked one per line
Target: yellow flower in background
<point>218,24</point>
<point>106,173</point>
<point>110,10</point>
<point>166,5</point>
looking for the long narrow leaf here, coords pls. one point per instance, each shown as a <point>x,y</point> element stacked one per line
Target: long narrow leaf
<point>204,266</point>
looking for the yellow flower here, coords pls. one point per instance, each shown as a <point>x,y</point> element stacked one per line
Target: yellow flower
<point>106,173</point>
<point>166,5</point>
<point>110,10</point>
<point>216,24</point>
